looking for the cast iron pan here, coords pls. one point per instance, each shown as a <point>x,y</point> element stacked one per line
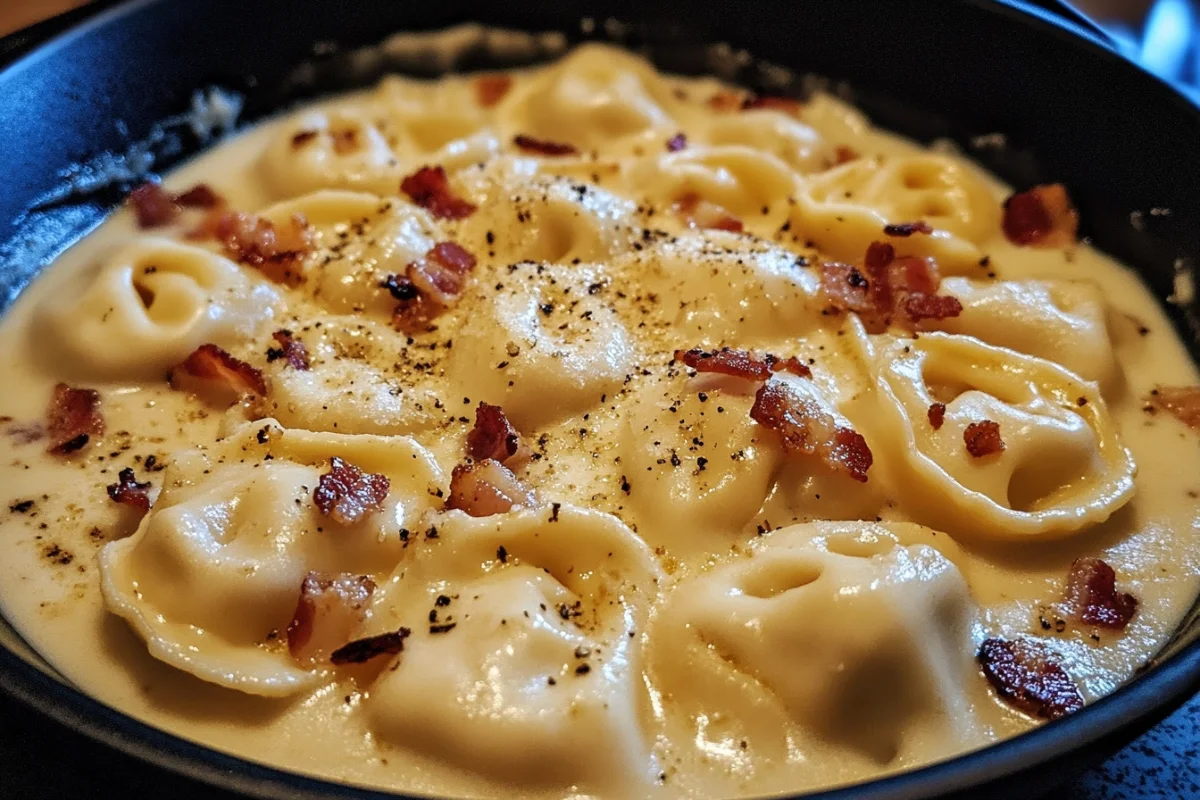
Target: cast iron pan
<point>1071,110</point>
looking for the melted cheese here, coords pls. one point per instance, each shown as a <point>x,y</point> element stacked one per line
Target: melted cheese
<point>691,611</point>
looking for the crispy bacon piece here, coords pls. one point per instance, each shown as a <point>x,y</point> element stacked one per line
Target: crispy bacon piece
<point>72,419</point>
<point>360,651</point>
<point>290,348</point>
<point>430,189</point>
<point>726,101</point>
<point>490,89</point>
<point>1024,674</point>
<point>128,491</point>
<point>429,286</point>
<point>330,609</point>
<point>1092,595</point>
<point>888,289</point>
<point>1182,402</point>
<point>844,154</point>
<point>937,415</point>
<point>983,438</point>
<point>200,196</point>
<point>1041,217</point>
<point>484,488</point>
<point>212,372</point>
<point>784,104</point>
<point>807,429</point>
<point>257,242</point>
<point>700,213</point>
<point>346,494</point>
<point>493,436</point>
<point>904,229</point>
<point>677,142</point>
<point>741,363</point>
<point>543,147</point>
<point>153,205</point>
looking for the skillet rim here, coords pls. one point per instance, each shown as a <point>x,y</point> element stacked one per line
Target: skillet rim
<point>1140,703</point>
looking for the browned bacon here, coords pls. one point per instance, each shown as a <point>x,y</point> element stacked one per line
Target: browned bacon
<point>1182,402</point>
<point>888,289</point>
<point>73,419</point>
<point>430,189</point>
<point>252,240</point>
<point>484,488</point>
<point>490,89</point>
<point>1041,217</point>
<point>1025,675</point>
<point>330,609</point>
<point>741,363</point>
<point>677,142</point>
<point>844,154</point>
<point>698,213</point>
<point>805,428</point>
<point>493,436</point>
<point>784,104</point>
<point>200,196</point>
<point>346,494</point>
<point>129,492</point>
<point>983,438</point>
<point>154,206</point>
<point>937,415</point>
<point>360,651</point>
<point>429,286</point>
<point>904,229</point>
<point>726,101</point>
<point>212,372</point>
<point>290,349</point>
<point>543,147</point>
<point>1092,595</point>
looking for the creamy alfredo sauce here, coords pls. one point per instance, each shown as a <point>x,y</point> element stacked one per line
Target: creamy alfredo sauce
<point>662,622</point>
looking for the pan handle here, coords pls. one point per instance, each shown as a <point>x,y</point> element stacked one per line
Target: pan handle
<point>1064,11</point>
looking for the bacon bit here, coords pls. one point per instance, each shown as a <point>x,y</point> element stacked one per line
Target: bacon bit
<point>700,213</point>
<point>741,363</point>
<point>677,142</point>
<point>937,415</point>
<point>1182,402</point>
<point>904,229</point>
<point>360,651</point>
<point>290,348</point>
<point>490,89</point>
<point>302,138</point>
<point>250,239</point>
<point>429,286</point>
<point>1092,595</point>
<point>430,189</point>
<point>200,196</point>
<point>346,494</point>
<point>888,289</point>
<point>128,491</point>
<point>212,371</point>
<point>544,147</point>
<point>153,205</point>
<point>726,101</point>
<point>72,419</point>
<point>330,608</point>
<point>1024,675</point>
<point>784,104</point>
<point>487,487</point>
<point>805,428</point>
<point>493,436</point>
<point>844,154</point>
<point>983,438</point>
<point>1041,217</point>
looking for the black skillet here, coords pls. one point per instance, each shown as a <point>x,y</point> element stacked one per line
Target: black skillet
<point>104,77</point>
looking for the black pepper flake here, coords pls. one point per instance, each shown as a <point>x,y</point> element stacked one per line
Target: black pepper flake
<point>21,507</point>
<point>432,533</point>
<point>264,434</point>
<point>442,601</point>
<point>444,627</point>
<point>675,462</point>
<point>701,463</point>
<point>554,508</point>
<point>583,669</point>
<point>625,487</point>
<point>502,554</point>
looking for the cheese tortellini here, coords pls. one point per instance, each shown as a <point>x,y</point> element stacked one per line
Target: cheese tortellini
<point>212,576</point>
<point>1063,466</point>
<point>149,305</point>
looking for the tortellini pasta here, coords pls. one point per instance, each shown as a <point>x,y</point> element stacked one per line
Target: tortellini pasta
<point>1063,466</point>
<point>854,635</point>
<point>212,576</point>
<point>149,305</point>
<point>525,649</point>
